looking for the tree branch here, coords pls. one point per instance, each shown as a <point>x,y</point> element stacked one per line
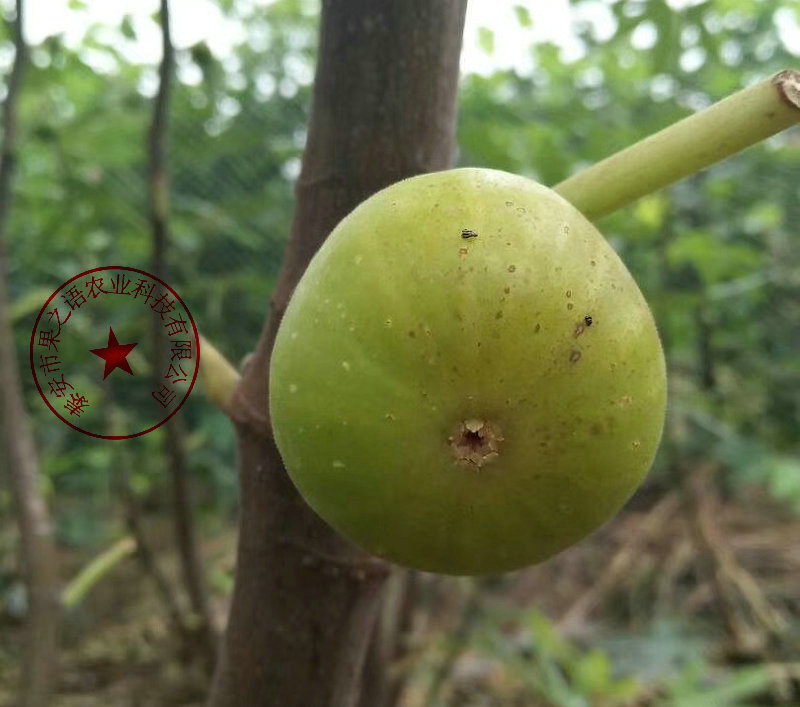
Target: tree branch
<point>133,520</point>
<point>191,567</point>
<point>688,146</point>
<point>80,585</point>
<point>39,557</point>
<point>218,377</point>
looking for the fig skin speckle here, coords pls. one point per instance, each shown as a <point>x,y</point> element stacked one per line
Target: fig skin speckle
<point>423,340</point>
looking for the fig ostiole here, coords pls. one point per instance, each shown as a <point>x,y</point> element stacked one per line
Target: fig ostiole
<point>467,378</point>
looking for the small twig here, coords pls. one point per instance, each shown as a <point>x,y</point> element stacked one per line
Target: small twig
<point>457,642</point>
<point>157,143</point>
<point>769,618</point>
<point>709,572</point>
<point>617,570</point>
<point>784,678</point>
<point>80,585</point>
<point>728,578</point>
<point>387,664</point>
<point>687,147</point>
<point>679,558</point>
<point>148,559</point>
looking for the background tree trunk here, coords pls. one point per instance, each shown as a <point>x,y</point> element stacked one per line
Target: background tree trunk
<point>205,641</point>
<point>38,552</point>
<point>305,599</point>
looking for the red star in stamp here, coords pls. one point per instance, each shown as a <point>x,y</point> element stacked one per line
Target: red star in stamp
<point>115,354</point>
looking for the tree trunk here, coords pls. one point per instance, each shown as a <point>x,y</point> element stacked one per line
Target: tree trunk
<point>305,599</point>
<point>205,642</point>
<point>38,552</point>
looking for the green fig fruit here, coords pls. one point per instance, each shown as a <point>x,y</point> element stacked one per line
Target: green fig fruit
<point>467,379</point>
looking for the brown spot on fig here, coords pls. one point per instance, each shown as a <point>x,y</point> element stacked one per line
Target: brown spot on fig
<point>579,329</point>
<point>512,268</point>
<point>537,328</point>
<point>468,233</point>
<point>575,356</point>
<point>506,289</point>
<point>588,320</point>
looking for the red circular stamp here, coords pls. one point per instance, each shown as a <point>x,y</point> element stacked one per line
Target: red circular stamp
<point>114,352</point>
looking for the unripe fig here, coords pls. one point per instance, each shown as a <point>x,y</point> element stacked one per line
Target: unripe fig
<point>467,378</point>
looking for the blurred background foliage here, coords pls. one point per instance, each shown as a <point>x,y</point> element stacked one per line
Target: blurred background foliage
<point>715,255</point>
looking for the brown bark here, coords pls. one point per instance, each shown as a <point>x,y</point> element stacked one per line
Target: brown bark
<point>200,625</point>
<point>38,552</point>
<point>305,599</point>
<point>384,674</point>
<point>147,557</point>
<point>174,430</point>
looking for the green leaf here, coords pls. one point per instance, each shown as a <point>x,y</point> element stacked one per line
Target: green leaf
<point>650,210</point>
<point>593,672</point>
<point>523,16</point>
<point>127,28</point>
<point>784,481</point>
<point>666,51</point>
<point>715,259</point>
<point>743,684</point>
<point>29,303</point>
<point>486,39</point>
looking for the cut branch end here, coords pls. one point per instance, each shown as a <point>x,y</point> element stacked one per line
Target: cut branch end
<point>788,83</point>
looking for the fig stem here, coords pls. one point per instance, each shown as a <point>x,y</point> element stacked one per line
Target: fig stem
<point>218,376</point>
<point>690,145</point>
